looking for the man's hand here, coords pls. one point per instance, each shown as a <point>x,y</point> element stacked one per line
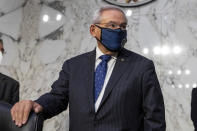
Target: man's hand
<point>20,111</point>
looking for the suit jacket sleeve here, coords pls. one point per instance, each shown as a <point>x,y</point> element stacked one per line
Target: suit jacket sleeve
<point>194,108</point>
<point>15,93</point>
<point>153,104</point>
<point>56,100</point>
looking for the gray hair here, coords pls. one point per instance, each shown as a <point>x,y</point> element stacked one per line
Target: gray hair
<point>98,12</point>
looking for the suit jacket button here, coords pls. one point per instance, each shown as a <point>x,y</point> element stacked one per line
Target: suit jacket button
<point>122,59</point>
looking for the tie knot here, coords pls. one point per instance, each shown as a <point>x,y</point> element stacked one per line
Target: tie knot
<point>105,58</point>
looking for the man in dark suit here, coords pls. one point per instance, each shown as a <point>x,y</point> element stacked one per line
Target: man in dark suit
<point>9,88</point>
<point>107,89</point>
<point>194,108</point>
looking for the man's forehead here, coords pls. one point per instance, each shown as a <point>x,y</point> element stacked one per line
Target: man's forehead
<point>113,15</point>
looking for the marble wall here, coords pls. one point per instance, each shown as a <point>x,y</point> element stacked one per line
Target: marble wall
<point>39,35</point>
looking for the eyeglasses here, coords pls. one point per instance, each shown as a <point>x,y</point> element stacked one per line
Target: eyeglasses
<point>114,25</point>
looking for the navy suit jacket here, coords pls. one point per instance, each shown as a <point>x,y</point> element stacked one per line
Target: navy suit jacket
<point>9,89</point>
<point>132,100</point>
<point>194,108</point>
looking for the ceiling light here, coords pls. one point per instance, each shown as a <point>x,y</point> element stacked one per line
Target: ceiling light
<point>45,18</point>
<point>157,50</point>
<point>187,71</point>
<point>194,85</point>
<point>165,50</point>
<point>179,72</point>
<point>187,85</point>
<point>129,13</point>
<point>145,50</point>
<point>177,50</point>
<point>58,17</point>
<point>180,86</point>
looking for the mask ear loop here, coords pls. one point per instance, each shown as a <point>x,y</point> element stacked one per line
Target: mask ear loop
<point>101,38</point>
<point>100,34</point>
<point>124,41</point>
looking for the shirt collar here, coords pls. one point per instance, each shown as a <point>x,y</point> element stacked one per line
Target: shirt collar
<point>100,53</point>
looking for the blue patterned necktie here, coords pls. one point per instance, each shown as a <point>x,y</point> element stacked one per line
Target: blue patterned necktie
<point>100,74</point>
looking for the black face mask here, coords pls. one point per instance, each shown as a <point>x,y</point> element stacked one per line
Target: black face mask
<point>113,39</point>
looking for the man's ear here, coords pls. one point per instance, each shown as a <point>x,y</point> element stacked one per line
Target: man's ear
<point>93,30</point>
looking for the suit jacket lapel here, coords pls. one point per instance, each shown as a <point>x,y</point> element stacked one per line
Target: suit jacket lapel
<point>1,84</point>
<point>1,78</point>
<point>119,69</point>
<point>90,78</point>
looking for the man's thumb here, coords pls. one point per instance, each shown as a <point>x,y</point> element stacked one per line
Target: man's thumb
<point>37,108</point>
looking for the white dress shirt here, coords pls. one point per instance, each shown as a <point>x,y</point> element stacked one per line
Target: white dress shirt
<point>110,67</point>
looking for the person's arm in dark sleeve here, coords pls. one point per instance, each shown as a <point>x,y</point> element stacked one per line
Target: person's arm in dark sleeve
<point>15,93</point>
<point>153,103</point>
<point>57,99</point>
<point>194,108</point>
